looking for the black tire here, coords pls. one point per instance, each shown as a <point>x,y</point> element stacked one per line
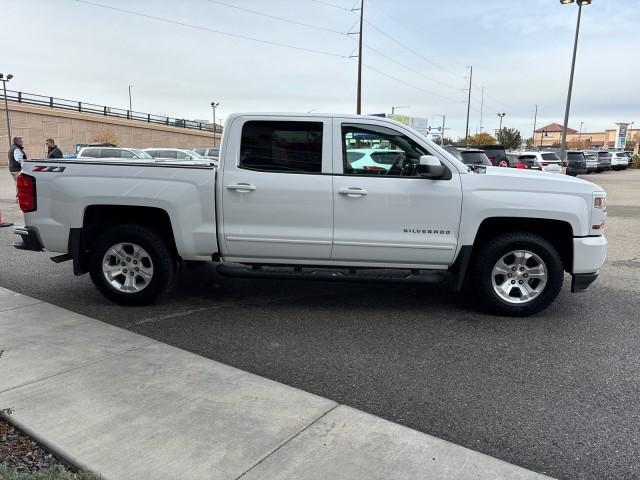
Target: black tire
<point>160,255</point>
<point>491,251</point>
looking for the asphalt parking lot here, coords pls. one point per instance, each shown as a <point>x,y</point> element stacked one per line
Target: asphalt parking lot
<point>556,393</point>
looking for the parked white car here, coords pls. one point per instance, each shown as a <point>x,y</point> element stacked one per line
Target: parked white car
<point>546,161</point>
<point>113,152</point>
<point>373,159</point>
<point>173,154</point>
<point>619,160</point>
<point>286,202</point>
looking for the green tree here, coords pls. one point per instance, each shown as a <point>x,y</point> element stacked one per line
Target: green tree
<point>480,139</point>
<point>529,142</point>
<point>510,138</point>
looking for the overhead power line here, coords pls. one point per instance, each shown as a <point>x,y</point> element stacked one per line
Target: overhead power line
<point>276,17</point>
<point>211,30</point>
<point>339,7</point>
<point>369,67</point>
<point>391,59</point>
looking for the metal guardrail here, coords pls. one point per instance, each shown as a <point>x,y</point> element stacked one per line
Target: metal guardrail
<point>84,107</point>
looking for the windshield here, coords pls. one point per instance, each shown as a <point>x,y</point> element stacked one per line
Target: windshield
<point>142,154</point>
<point>553,157</point>
<point>475,158</point>
<point>194,154</point>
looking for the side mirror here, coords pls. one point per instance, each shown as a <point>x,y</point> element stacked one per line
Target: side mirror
<point>430,167</point>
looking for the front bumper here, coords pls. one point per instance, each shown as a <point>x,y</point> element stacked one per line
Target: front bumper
<point>29,239</point>
<point>589,254</point>
<point>582,281</point>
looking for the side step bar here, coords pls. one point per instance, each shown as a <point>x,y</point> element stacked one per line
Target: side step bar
<point>336,274</point>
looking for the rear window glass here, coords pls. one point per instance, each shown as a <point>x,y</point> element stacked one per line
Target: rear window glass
<point>574,156</point>
<point>550,157</point>
<point>286,147</point>
<point>475,158</point>
<point>604,154</point>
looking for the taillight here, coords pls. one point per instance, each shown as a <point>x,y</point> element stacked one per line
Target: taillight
<point>27,193</point>
<point>521,165</point>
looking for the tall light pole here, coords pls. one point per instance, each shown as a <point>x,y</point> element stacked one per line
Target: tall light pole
<point>481,109</point>
<point>466,134</point>
<point>214,105</point>
<point>535,122</point>
<point>501,115</point>
<point>6,105</point>
<point>563,141</point>
<point>130,109</point>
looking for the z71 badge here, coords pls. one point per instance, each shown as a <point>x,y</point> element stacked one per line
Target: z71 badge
<point>44,168</point>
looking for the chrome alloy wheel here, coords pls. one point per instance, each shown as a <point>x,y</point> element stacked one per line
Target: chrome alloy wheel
<point>519,276</point>
<point>127,267</point>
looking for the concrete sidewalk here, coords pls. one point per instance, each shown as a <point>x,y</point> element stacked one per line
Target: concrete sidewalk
<point>128,407</point>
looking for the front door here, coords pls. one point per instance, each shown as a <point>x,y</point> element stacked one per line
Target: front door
<point>383,213</point>
<point>277,202</point>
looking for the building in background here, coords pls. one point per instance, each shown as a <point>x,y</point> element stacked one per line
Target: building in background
<point>620,137</point>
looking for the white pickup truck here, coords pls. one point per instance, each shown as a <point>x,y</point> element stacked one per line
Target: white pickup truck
<point>290,200</point>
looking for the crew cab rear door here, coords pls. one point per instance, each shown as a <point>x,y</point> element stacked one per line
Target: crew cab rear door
<point>383,213</point>
<point>277,201</point>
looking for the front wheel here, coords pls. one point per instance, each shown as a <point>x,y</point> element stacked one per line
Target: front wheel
<point>131,265</point>
<point>517,274</point>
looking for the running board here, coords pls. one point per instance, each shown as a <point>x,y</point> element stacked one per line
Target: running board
<point>367,275</point>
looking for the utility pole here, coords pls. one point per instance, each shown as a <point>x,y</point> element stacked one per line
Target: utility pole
<point>393,108</point>
<point>563,141</point>
<point>6,105</point>
<point>466,137</point>
<point>130,109</point>
<point>359,99</point>
<point>481,109</point>
<point>535,121</point>
<point>442,135</point>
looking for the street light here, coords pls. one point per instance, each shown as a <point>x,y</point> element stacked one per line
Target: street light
<point>501,115</point>
<point>442,131</point>
<point>563,141</point>
<point>6,105</point>
<point>214,105</point>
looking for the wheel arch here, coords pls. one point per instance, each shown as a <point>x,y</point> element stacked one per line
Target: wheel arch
<point>97,219</point>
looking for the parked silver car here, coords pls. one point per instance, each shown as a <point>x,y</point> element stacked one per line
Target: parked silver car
<point>113,152</point>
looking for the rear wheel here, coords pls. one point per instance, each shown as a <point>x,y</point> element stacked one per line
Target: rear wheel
<point>517,274</point>
<point>131,265</point>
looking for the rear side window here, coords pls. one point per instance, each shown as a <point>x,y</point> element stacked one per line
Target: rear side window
<point>91,152</point>
<point>475,158</point>
<point>284,147</point>
<point>109,153</point>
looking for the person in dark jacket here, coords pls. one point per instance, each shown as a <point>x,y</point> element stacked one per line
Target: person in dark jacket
<point>16,156</point>
<point>52,149</point>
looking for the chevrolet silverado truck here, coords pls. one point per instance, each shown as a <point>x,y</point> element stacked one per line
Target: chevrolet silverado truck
<point>290,200</point>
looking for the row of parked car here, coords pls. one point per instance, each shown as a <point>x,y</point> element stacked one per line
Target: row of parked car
<point>577,162</point>
<point>198,154</point>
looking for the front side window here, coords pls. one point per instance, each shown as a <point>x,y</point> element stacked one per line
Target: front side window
<point>283,147</point>
<point>379,151</point>
<point>201,151</point>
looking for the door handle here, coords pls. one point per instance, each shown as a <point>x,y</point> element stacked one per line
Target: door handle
<point>353,192</point>
<point>242,187</point>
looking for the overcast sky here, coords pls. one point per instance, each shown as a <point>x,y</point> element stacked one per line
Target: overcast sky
<point>416,54</point>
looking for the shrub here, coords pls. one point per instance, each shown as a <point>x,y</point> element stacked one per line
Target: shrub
<point>636,161</point>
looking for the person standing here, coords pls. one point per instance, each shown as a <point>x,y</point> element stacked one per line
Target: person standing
<point>52,149</point>
<point>16,156</point>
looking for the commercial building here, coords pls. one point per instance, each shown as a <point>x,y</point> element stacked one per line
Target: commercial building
<point>620,137</point>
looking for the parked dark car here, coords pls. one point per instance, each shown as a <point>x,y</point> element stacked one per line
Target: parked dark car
<point>469,156</point>
<point>496,153</point>
<point>576,163</point>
